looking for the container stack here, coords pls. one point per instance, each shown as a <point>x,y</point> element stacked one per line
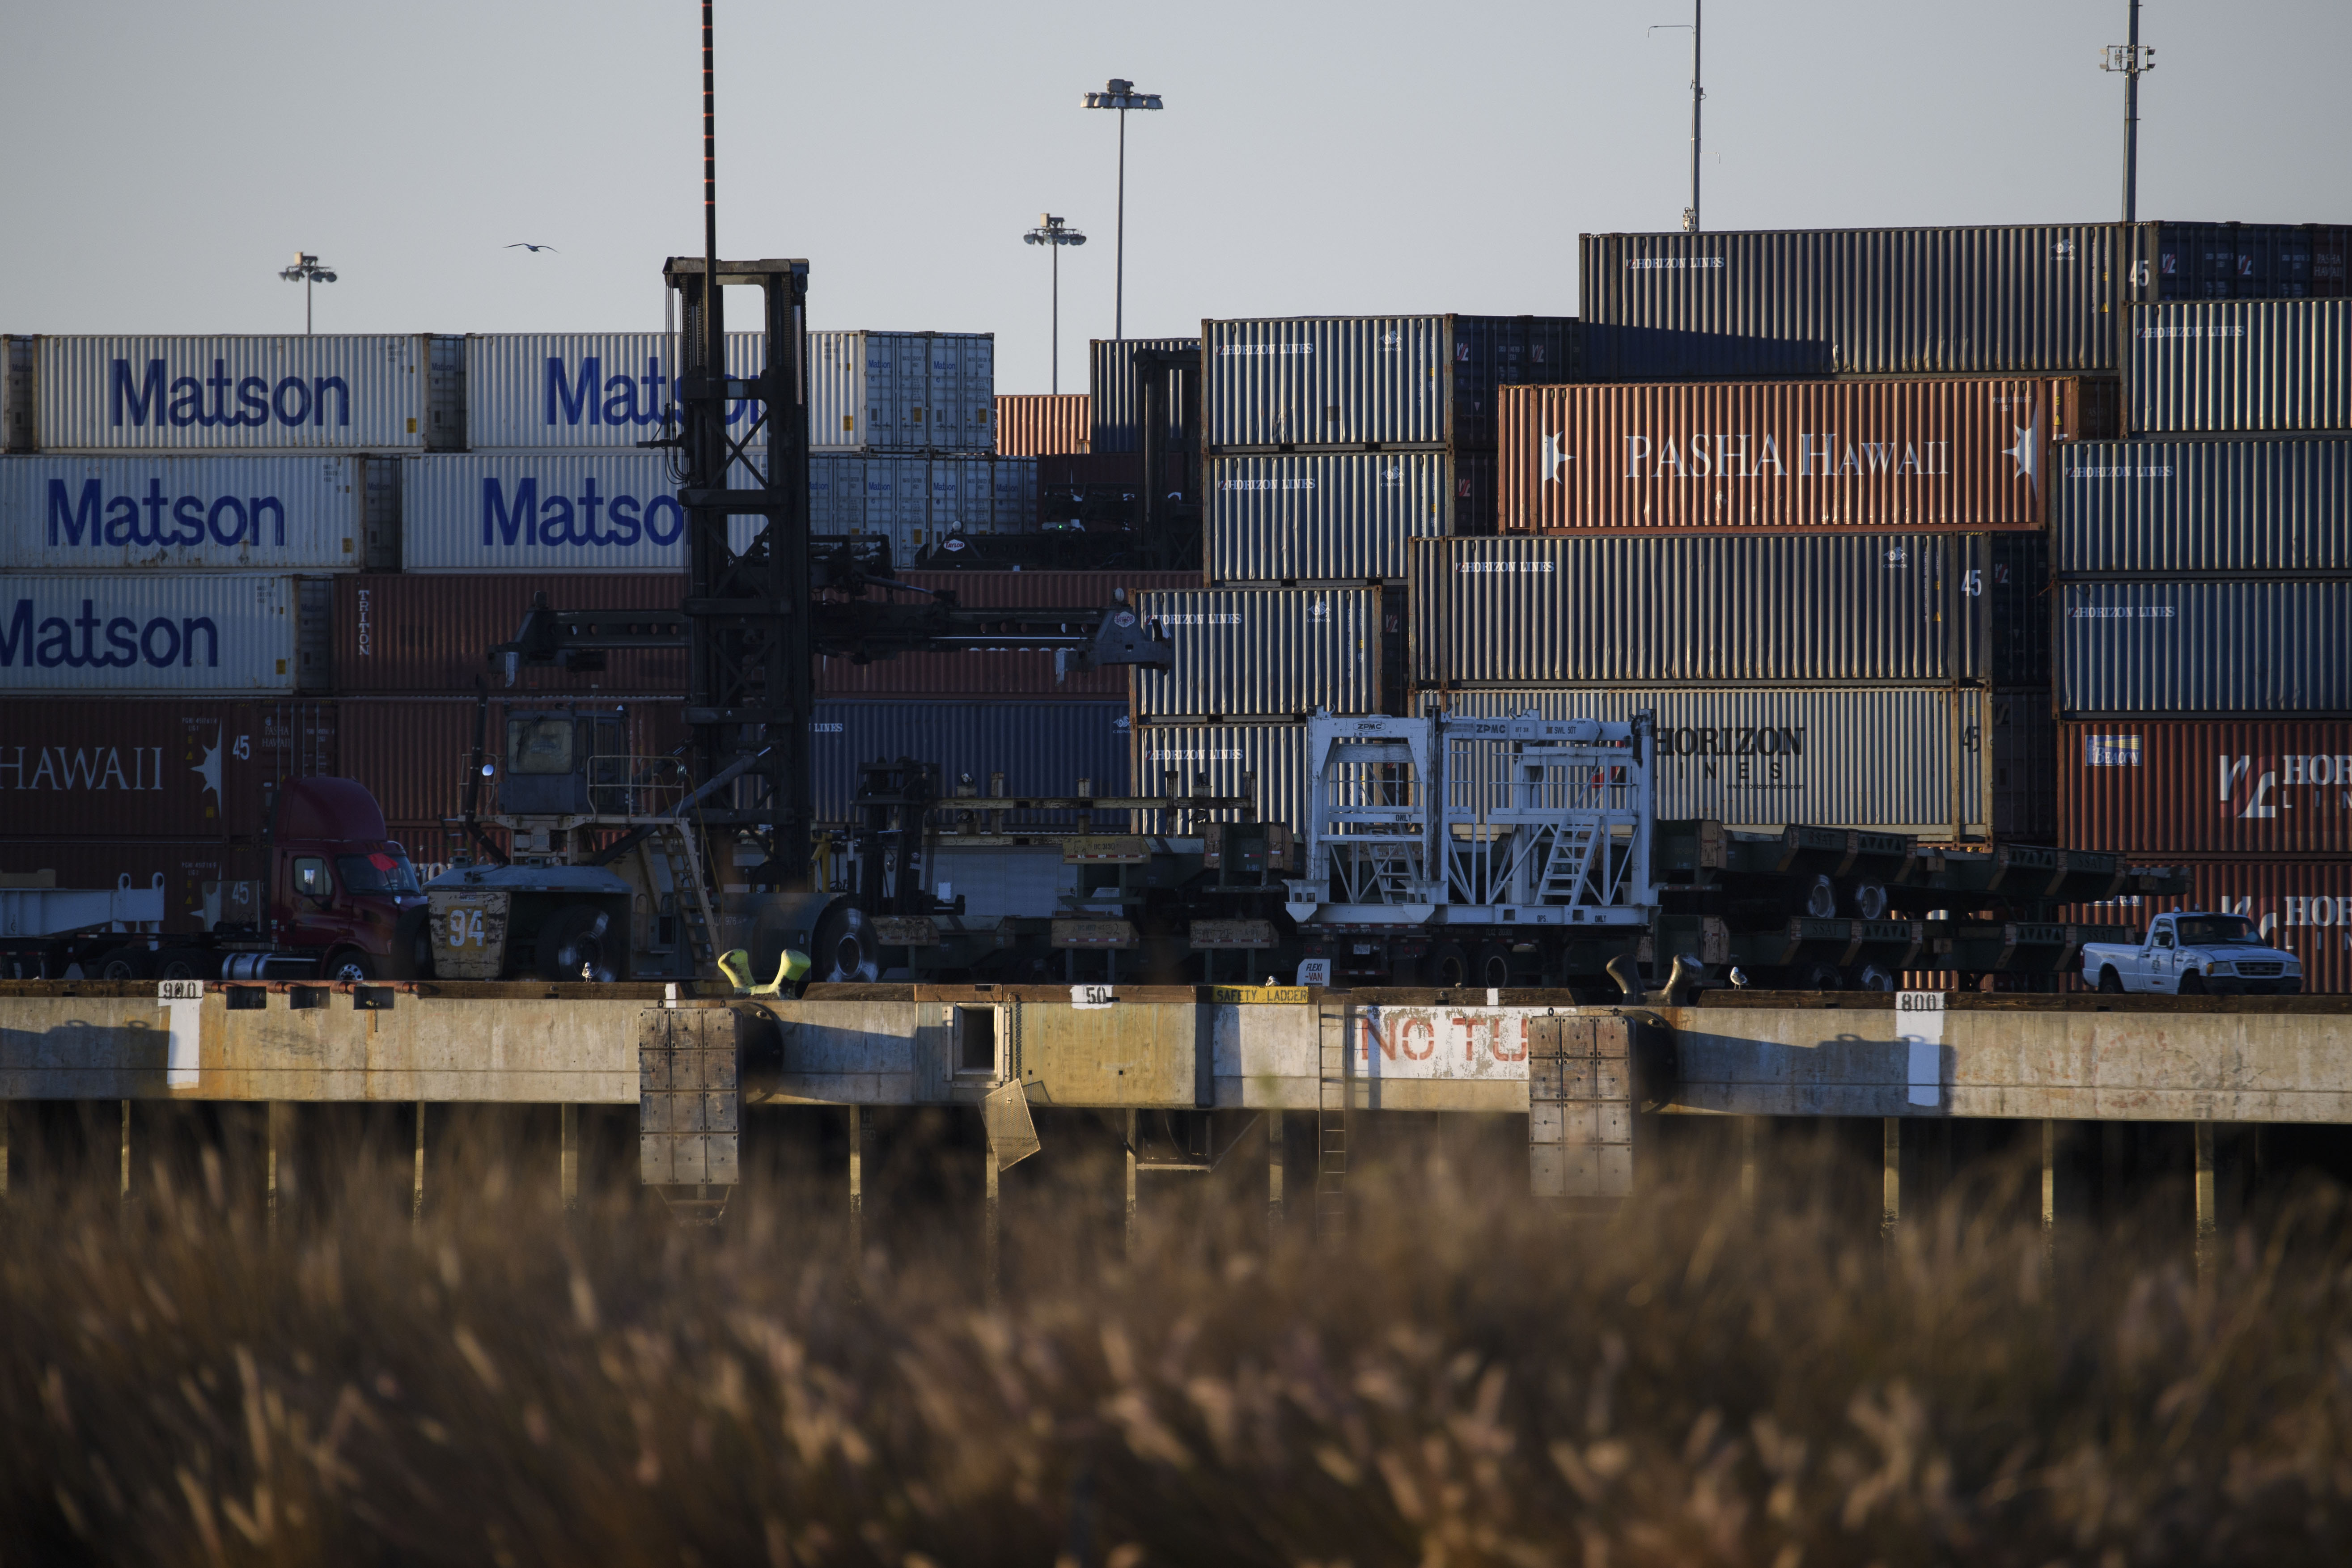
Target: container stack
<point>2205,617</point>
<point>1091,483</point>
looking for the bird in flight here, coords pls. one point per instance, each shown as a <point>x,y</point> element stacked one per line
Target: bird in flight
<point>526,245</point>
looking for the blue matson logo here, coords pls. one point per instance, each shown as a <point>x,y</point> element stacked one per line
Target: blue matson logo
<point>558,519</point>
<point>291,402</point>
<point>142,520</point>
<point>589,393</point>
<point>162,643</point>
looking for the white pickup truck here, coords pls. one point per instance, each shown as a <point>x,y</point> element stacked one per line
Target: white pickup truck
<point>2192,954</point>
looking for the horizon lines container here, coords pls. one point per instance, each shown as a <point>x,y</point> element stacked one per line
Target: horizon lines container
<point>2240,366</point>
<point>1389,380</point>
<point>1334,516</point>
<point>403,634</point>
<point>2245,788</point>
<point>1888,758</point>
<point>142,633</point>
<point>1042,424</point>
<point>560,390</point>
<point>2182,504</point>
<point>1262,653</point>
<point>1964,454</point>
<point>1116,394</point>
<point>1716,608</point>
<point>275,512</point>
<point>907,392</point>
<point>254,392</point>
<point>179,769</point>
<point>1213,759</point>
<point>2215,647</point>
<point>1042,749</point>
<point>2302,906</point>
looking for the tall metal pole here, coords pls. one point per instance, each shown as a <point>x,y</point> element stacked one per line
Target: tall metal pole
<point>1695,96</point>
<point>306,282</point>
<point>1057,318</point>
<point>2131,123</point>
<point>715,330</point>
<point>1118,268</point>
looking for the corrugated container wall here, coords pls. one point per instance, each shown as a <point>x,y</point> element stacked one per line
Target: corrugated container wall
<point>1391,381</point>
<point>402,634</point>
<point>563,390</point>
<point>1944,452</point>
<point>918,500</point>
<point>2186,505</point>
<point>1654,353</point>
<point>15,394</point>
<point>547,511</point>
<point>136,633</point>
<point>2305,907</point>
<point>2255,648</point>
<point>1791,608</point>
<point>334,391</point>
<point>1040,424</point>
<point>2241,366</point>
<point>279,513</point>
<point>902,391</point>
<point>177,769</point>
<point>2239,260</point>
<point>1893,759</point>
<point>1001,674</point>
<point>1332,516</point>
<point>1042,749</point>
<point>1117,394</point>
<point>1262,653</point>
<point>1265,762</point>
<point>2180,787</point>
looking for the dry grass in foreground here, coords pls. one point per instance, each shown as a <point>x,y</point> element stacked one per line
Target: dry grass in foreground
<point>1470,1381</point>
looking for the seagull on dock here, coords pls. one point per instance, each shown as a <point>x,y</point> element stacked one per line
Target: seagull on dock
<point>526,245</point>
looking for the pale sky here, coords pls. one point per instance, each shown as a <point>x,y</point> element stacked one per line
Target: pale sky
<point>164,161</point>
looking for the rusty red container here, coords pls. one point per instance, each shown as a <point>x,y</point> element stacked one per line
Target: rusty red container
<point>413,752</point>
<point>2255,787</point>
<point>73,768</point>
<point>2302,905</point>
<point>398,634</point>
<point>1948,453</point>
<point>1038,424</point>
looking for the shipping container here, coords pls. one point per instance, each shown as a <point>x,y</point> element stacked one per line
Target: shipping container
<point>2239,260</point>
<point>1116,402</point>
<point>1262,653</point>
<point>2157,786</point>
<point>415,753</point>
<point>1306,517</point>
<point>190,871</point>
<point>268,513</point>
<point>1042,749</point>
<point>399,633</point>
<point>1265,762</point>
<point>540,391</point>
<point>2257,648</point>
<point>334,391</point>
<point>902,391</point>
<point>2182,505</point>
<point>550,512</point>
<point>1657,353</point>
<point>1002,675</point>
<point>1386,380</point>
<point>1037,425</point>
<point>1890,759</point>
<point>1864,455</point>
<point>1803,609</point>
<point>919,500</point>
<point>167,634</point>
<point>2241,366</point>
<point>181,769</point>
<point>2302,906</point>
<point>16,393</point>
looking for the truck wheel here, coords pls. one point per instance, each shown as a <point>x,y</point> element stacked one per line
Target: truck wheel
<point>574,945</point>
<point>187,963</point>
<point>411,957</point>
<point>348,965</point>
<point>1823,977</point>
<point>1449,966</point>
<point>122,963</point>
<point>1492,967</point>
<point>2110,983</point>
<point>2192,985</point>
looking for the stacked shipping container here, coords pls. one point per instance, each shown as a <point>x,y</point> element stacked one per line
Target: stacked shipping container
<point>2205,582</point>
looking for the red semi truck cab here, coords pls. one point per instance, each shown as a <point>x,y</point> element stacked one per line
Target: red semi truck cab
<point>339,886</point>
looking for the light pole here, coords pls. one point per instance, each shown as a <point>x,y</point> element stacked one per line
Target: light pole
<point>1119,93</point>
<point>1052,232</point>
<point>1690,212</point>
<point>306,271</point>
<point>2131,59</point>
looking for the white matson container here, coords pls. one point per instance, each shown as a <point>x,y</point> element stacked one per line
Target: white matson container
<point>547,511</point>
<point>253,393</point>
<point>585,389</point>
<point>150,632</point>
<point>273,514</point>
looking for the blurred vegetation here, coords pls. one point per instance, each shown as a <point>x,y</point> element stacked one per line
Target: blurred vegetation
<point>1470,1378</point>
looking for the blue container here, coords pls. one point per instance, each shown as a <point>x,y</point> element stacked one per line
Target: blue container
<point>2169,506</point>
<point>1115,394</point>
<point>1657,353</point>
<point>1305,381</point>
<point>1041,748</point>
<point>2240,366</point>
<point>2258,649</point>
